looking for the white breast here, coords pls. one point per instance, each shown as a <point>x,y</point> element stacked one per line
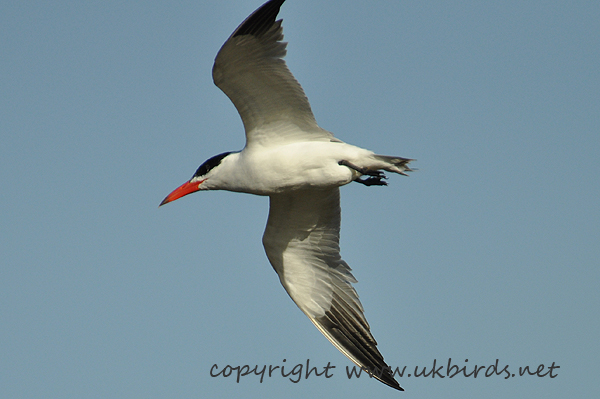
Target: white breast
<point>277,169</point>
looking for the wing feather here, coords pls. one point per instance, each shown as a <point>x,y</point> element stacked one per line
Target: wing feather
<point>251,71</point>
<point>302,243</point>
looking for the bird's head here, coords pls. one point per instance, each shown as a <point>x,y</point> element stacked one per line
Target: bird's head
<point>196,182</point>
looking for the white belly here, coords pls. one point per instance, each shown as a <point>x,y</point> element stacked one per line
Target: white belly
<point>303,165</point>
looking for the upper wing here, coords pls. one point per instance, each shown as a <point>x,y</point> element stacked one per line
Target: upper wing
<point>250,70</point>
<point>302,244</point>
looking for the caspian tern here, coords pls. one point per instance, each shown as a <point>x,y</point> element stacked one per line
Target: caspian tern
<point>300,166</point>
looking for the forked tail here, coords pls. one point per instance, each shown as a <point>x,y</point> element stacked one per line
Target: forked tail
<point>375,176</point>
<point>395,164</point>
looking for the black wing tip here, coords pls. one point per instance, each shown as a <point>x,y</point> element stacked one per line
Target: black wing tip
<point>261,20</point>
<point>390,381</point>
<point>356,338</point>
<point>384,374</point>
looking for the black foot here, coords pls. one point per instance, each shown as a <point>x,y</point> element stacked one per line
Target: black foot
<point>375,176</point>
<point>372,181</point>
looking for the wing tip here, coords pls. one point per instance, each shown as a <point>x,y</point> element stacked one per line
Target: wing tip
<point>355,342</point>
<point>261,20</point>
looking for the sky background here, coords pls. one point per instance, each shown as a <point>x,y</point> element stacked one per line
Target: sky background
<point>489,251</point>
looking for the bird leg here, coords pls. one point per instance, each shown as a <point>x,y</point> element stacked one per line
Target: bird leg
<point>375,176</point>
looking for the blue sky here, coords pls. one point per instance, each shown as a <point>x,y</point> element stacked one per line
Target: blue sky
<point>490,251</point>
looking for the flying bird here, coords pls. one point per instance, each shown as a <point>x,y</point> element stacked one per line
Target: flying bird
<point>300,167</point>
